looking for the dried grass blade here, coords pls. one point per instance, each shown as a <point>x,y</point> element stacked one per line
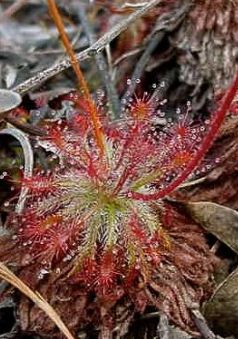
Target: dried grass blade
<point>12,279</point>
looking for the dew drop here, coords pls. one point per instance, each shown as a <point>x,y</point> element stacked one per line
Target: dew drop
<point>42,273</point>
<point>162,114</point>
<point>163,102</point>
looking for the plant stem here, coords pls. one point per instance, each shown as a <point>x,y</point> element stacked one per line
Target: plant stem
<point>98,46</point>
<point>92,109</point>
<point>206,144</point>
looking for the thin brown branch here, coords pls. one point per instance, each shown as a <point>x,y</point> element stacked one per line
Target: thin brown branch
<point>93,50</point>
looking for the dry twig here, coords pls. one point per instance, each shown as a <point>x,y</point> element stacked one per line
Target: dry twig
<point>93,50</point>
<point>12,279</point>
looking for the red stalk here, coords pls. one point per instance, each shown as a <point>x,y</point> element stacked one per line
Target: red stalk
<point>92,109</point>
<point>206,144</point>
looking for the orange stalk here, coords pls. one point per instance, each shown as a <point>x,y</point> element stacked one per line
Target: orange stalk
<point>54,12</point>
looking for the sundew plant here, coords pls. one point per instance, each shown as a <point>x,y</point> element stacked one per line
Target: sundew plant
<point>98,220</point>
